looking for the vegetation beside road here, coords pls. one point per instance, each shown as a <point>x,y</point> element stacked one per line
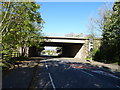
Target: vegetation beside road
<point>109,24</point>
<point>20,28</point>
<point>10,64</point>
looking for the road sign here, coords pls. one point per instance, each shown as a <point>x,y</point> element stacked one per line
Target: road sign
<point>90,45</point>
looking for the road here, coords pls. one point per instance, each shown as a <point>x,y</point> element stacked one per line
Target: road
<point>57,73</point>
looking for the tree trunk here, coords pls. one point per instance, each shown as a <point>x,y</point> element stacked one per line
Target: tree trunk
<point>23,51</point>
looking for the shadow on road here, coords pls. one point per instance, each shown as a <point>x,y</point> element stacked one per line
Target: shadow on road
<point>67,74</point>
<point>34,74</point>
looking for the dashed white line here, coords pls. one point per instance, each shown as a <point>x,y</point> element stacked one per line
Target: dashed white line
<point>46,66</point>
<point>87,73</point>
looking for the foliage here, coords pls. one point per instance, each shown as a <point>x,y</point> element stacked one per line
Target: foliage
<point>59,51</point>
<point>91,28</point>
<point>6,64</point>
<point>20,26</point>
<point>48,52</point>
<point>92,36</point>
<point>110,50</point>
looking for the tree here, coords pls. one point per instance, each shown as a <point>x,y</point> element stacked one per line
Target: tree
<point>111,35</point>
<point>93,38</point>
<point>71,34</point>
<point>111,31</point>
<point>95,28</point>
<point>95,25</point>
<point>20,26</point>
<point>91,28</point>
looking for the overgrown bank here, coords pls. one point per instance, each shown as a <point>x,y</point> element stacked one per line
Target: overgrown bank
<point>109,51</point>
<point>20,28</point>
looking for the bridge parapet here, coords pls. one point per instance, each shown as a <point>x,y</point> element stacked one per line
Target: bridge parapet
<point>71,38</point>
<point>65,39</point>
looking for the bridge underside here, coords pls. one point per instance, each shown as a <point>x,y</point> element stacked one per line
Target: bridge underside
<point>60,44</point>
<point>71,47</point>
<point>68,49</point>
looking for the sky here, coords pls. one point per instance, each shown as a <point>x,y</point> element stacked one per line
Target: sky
<point>64,17</point>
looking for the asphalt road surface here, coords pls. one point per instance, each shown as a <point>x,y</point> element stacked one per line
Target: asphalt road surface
<point>56,73</point>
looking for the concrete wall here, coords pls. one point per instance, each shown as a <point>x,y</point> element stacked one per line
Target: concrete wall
<point>83,51</point>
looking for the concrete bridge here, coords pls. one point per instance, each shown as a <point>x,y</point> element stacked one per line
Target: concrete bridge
<point>71,46</point>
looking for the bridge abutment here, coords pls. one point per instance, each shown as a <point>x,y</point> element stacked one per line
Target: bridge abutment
<point>83,51</point>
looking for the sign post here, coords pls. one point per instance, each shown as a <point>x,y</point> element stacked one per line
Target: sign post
<point>91,47</point>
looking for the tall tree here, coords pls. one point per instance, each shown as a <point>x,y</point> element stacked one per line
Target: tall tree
<point>20,26</point>
<point>110,50</point>
<point>111,31</point>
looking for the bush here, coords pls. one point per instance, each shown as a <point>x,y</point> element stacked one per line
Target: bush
<point>5,65</point>
<point>106,54</point>
<point>21,58</point>
<point>8,63</point>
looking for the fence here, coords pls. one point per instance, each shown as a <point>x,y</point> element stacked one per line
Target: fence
<point>15,54</point>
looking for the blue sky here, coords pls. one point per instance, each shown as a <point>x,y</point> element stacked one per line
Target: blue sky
<point>65,17</point>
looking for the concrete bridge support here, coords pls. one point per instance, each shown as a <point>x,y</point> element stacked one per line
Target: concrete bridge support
<point>83,51</point>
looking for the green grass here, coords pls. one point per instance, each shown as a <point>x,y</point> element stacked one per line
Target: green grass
<point>88,58</point>
<point>116,63</point>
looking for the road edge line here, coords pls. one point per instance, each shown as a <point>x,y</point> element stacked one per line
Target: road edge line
<point>87,73</point>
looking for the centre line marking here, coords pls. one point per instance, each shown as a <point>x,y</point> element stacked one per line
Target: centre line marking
<point>53,85</point>
<point>87,73</point>
<point>52,81</point>
<point>46,65</point>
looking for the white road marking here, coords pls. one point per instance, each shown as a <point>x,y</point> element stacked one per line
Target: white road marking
<point>52,81</point>
<point>46,66</point>
<point>53,85</point>
<point>87,73</point>
<point>117,86</point>
<point>105,73</point>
